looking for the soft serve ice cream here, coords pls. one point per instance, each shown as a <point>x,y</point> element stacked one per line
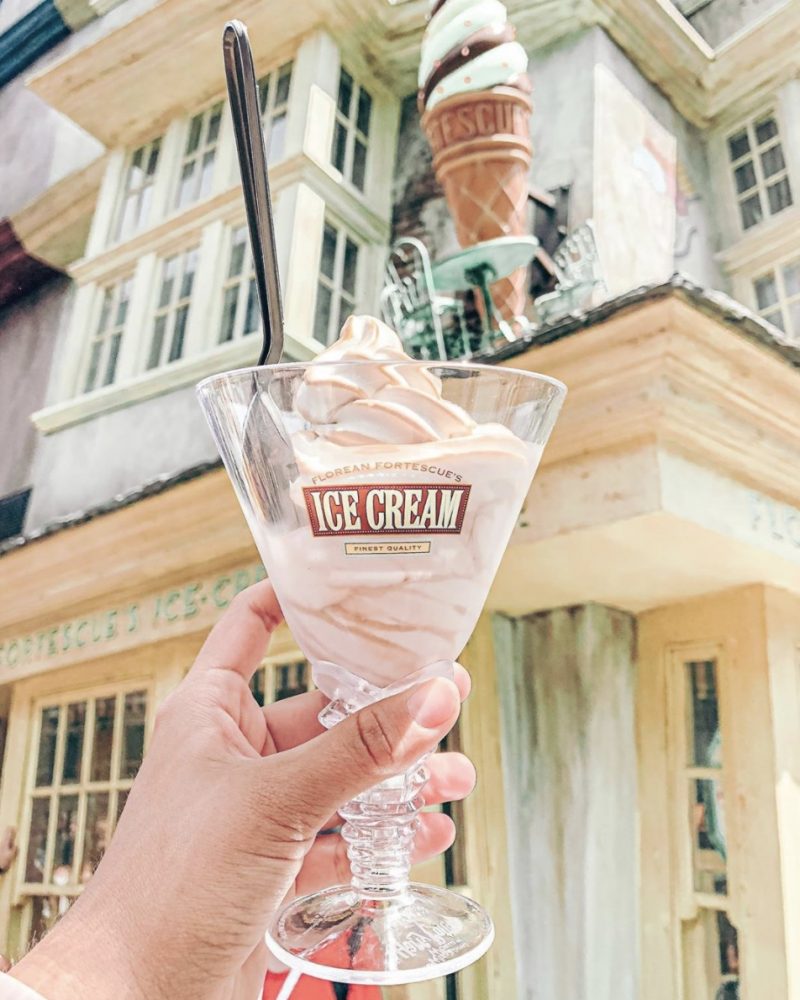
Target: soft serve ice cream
<point>402,507</point>
<point>469,46</point>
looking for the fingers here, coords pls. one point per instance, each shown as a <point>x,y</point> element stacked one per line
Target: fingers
<point>452,778</point>
<point>294,721</point>
<point>239,639</point>
<point>327,863</point>
<point>381,740</point>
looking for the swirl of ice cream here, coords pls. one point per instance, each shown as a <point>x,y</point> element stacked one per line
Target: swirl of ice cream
<point>468,46</point>
<point>374,404</point>
<point>372,416</point>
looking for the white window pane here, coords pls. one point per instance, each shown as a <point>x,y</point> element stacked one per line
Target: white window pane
<point>791,278</point>
<point>195,130</point>
<point>251,316</point>
<point>97,834</point>
<point>178,334</point>
<point>359,164</point>
<point>229,304</point>
<point>113,357</point>
<point>345,92</point>
<point>66,832</point>
<point>738,145</point>
<point>776,318</point>
<point>45,763</point>
<point>323,313</point>
<point>284,82</point>
<point>766,129</point>
<point>104,713</point>
<point>276,140</point>
<point>766,289</point>
<point>238,247</point>
<point>339,152</point>
<point>794,319</point>
<point>745,177</point>
<point>94,364</point>
<point>159,330</point>
<point>772,161</point>
<point>328,259</point>
<point>364,112</point>
<point>37,841</point>
<point>779,195</point>
<point>751,211</point>
<point>350,266</point>
<point>132,733</point>
<point>73,743</point>
<point>705,749</point>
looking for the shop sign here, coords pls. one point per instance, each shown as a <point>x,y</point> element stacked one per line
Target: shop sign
<point>180,610</point>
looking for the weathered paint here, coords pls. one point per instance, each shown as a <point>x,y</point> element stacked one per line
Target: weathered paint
<point>566,681</point>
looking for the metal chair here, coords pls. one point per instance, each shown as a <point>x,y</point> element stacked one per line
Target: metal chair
<point>410,304</point>
<point>578,271</point>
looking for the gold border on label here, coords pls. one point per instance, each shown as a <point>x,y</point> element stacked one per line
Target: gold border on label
<point>398,548</point>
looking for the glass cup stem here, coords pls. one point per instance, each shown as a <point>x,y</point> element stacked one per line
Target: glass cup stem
<point>381,825</point>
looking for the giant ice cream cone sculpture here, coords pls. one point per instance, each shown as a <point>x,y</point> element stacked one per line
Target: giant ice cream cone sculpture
<point>475,102</point>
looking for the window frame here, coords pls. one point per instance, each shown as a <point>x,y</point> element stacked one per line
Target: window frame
<point>176,302</point>
<point>268,107</point>
<point>115,282</point>
<point>349,123</point>
<point>334,284</point>
<point>115,234</point>
<point>24,892</point>
<point>748,125</point>
<point>175,206</point>
<point>224,282</point>
<point>694,909</point>
<point>784,301</point>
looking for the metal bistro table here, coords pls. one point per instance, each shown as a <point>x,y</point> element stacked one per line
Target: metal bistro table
<point>479,265</point>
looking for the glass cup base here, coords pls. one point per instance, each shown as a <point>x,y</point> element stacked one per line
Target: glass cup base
<point>422,932</point>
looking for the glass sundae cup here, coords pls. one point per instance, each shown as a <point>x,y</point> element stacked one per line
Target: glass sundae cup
<point>381,493</point>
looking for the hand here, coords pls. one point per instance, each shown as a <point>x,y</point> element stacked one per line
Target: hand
<point>223,822</point>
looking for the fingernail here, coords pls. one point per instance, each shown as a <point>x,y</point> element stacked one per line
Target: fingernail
<point>433,703</point>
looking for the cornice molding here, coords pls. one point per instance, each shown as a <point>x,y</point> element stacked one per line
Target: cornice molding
<point>54,226</point>
<point>665,372</point>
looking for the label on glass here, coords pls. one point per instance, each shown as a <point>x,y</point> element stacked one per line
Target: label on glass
<point>397,509</point>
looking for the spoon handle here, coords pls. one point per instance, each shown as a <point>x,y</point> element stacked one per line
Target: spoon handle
<point>249,132</point>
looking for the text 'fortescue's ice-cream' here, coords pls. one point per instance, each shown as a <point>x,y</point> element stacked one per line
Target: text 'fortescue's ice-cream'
<point>404,505</point>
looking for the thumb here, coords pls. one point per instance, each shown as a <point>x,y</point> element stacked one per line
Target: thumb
<point>380,741</point>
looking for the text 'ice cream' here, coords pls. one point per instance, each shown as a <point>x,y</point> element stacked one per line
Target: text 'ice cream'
<point>402,505</point>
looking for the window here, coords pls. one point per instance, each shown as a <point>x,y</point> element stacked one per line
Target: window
<point>276,681</point>
<point>351,131</point>
<point>240,310</point>
<point>137,190</point>
<point>336,288</point>
<point>760,175</point>
<point>273,92</point>
<point>87,753</point>
<point>197,165</point>
<point>105,345</point>
<point>711,943</point>
<point>777,296</point>
<point>172,309</point>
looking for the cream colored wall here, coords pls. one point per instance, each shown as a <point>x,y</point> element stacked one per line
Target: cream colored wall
<point>753,633</point>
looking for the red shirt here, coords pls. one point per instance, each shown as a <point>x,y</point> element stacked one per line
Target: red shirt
<point>315,989</point>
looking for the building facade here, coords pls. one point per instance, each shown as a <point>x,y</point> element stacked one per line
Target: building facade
<point>636,711</point>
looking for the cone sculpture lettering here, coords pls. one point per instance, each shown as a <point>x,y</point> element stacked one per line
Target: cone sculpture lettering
<point>475,102</point>
<point>381,493</point>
